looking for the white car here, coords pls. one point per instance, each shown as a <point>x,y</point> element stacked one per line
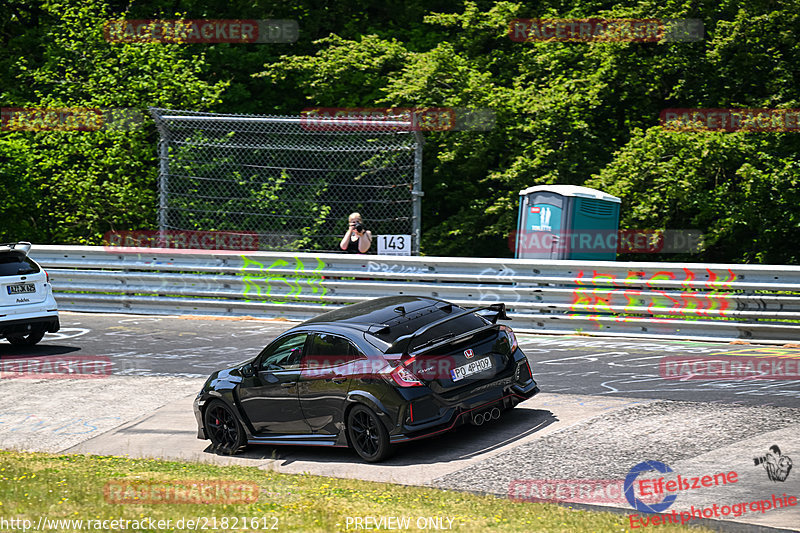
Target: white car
<point>27,307</point>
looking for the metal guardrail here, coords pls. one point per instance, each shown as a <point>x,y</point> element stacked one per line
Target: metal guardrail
<point>759,303</point>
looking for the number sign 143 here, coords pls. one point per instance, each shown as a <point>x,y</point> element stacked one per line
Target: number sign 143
<point>394,245</point>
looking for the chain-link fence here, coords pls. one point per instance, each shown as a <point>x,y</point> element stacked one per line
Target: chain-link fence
<point>289,182</point>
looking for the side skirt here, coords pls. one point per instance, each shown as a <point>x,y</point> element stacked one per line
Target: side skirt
<point>298,440</point>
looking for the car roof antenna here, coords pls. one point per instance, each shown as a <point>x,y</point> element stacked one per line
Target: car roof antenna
<point>400,309</point>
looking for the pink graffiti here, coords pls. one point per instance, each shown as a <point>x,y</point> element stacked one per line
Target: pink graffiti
<point>594,296</point>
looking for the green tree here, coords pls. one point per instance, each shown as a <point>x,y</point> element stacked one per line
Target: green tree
<point>85,183</point>
<point>567,111</point>
<point>740,189</point>
<point>574,113</point>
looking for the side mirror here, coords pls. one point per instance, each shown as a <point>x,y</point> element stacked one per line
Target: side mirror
<point>248,371</point>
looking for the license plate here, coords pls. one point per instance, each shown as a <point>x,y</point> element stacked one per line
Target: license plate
<point>21,289</point>
<point>474,367</point>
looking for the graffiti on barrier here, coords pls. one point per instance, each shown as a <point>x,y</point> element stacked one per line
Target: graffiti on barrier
<point>578,343</point>
<point>283,280</point>
<point>374,266</point>
<point>166,282</point>
<point>649,301</point>
<point>491,279</point>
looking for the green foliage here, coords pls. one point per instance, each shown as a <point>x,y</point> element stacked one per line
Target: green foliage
<point>740,188</point>
<point>580,113</point>
<point>16,193</point>
<point>77,185</point>
<point>339,74</point>
<point>573,113</point>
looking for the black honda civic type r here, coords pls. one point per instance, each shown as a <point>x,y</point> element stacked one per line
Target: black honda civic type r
<point>368,376</point>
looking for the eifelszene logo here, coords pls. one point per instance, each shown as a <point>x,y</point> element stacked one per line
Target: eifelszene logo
<point>630,479</point>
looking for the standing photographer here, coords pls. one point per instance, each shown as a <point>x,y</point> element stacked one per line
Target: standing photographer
<point>358,239</point>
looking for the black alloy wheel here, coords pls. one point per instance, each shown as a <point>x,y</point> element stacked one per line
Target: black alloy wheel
<point>368,436</point>
<point>222,427</point>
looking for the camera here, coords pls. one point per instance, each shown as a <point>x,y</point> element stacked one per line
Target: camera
<point>774,449</point>
<point>359,227</point>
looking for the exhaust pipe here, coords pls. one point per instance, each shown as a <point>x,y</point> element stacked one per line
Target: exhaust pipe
<point>490,414</point>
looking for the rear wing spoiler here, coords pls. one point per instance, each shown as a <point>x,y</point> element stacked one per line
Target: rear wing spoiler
<point>497,311</point>
<point>21,246</point>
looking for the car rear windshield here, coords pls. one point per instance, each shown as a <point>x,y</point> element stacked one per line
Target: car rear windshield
<point>14,264</point>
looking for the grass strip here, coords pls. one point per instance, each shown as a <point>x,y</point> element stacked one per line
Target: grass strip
<point>77,487</point>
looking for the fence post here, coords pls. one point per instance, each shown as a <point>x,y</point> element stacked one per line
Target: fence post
<point>417,194</point>
<point>163,176</point>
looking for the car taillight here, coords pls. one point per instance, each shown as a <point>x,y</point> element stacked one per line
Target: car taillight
<point>523,372</point>
<point>405,377</point>
<point>512,339</point>
<point>46,275</point>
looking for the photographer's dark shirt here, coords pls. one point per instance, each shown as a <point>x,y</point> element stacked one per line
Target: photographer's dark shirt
<point>352,246</point>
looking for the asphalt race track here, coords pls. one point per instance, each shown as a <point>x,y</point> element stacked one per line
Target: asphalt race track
<point>633,368</point>
<point>606,406</point>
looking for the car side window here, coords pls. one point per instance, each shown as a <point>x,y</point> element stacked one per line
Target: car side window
<point>285,355</point>
<point>326,350</point>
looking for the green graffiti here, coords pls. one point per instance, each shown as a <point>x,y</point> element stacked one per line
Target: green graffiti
<point>274,284</point>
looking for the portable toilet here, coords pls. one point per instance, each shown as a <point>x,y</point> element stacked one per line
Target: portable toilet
<point>567,222</point>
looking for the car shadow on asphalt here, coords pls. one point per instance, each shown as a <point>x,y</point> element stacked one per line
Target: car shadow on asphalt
<point>463,443</point>
<point>39,350</point>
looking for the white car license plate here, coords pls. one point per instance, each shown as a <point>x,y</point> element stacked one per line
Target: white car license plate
<point>21,289</point>
<point>474,367</point>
